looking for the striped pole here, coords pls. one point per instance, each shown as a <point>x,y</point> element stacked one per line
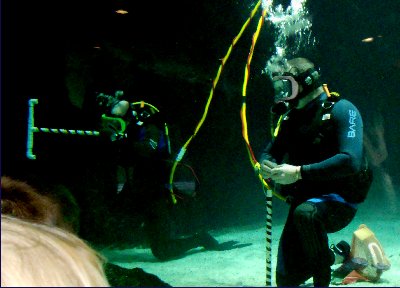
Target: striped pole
<point>31,119</point>
<point>268,237</point>
<point>65,131</point>
<point>32,129</point>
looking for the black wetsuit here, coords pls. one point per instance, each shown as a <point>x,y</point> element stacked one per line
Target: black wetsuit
<point>330,153</point>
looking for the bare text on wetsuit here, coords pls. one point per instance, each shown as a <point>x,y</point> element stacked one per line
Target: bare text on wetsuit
<point>352,121</point>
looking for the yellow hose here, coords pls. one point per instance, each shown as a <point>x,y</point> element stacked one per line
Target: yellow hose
<point>183,150</point>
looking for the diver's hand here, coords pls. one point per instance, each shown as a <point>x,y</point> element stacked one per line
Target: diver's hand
<point>285,174</point>
<point>266,167</point>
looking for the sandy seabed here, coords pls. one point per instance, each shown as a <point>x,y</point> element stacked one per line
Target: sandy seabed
<point>246,266</point>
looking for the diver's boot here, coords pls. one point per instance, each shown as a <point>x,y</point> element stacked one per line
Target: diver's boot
<point>341,252</point>
<point>207,241</point>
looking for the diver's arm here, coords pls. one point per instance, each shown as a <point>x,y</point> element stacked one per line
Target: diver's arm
<point>266,153</point>
<point>348,160</point>
<point>268,159</point>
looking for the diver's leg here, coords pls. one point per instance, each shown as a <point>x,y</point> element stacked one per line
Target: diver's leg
<point>166,249</point>
<point>163,242</point>
<point>292,269</point>
<point>313,221</point>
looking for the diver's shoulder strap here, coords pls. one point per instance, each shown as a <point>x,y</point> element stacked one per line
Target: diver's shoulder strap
<point>324,113</point>
<point>321,116</point>
<point>322,119</point>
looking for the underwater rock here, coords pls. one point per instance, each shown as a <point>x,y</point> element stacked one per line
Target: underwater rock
<point>119,276</point>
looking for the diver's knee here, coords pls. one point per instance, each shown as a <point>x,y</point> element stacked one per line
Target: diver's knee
<point>161,254</point>
<point>304,213</point>
<point>161,251</point>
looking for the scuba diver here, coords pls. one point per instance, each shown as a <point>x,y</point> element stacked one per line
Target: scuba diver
<point>142,151</point>
<point>317,162</point>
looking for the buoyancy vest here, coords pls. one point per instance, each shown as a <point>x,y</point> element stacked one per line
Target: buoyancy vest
<point>355,187</point>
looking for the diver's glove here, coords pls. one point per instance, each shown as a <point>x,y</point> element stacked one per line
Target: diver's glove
<point>266,167</point>
<point>286,174</point>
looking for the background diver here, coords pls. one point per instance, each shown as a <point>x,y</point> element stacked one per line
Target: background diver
<point>141,147</point>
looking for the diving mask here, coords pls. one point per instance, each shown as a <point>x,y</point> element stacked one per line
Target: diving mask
<point>286,88</point>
